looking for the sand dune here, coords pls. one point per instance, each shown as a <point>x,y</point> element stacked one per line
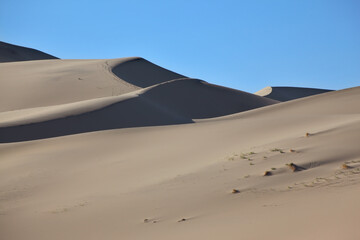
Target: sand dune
<point>53,82</point>
<point>187,171</point>
<point>142,73</point>
<point>174,102</point>
<point>13,53</point>
<point>289,93</point>
<point>198,99</point>
<point>101,149</point>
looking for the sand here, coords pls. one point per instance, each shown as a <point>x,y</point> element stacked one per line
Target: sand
<point>12,53</point>
<point>289,93</point>
<point>126,158</point>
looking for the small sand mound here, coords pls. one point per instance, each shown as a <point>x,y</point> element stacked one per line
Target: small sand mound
<point>267,173</point>
<point>345,166</point>
<point>294,167</point>
<point>234,191</point>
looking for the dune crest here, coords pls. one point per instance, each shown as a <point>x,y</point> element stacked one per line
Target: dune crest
<point>174,102</point>
<point>142,73</point>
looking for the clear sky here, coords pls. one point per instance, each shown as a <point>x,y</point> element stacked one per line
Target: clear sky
<point>245,45</point>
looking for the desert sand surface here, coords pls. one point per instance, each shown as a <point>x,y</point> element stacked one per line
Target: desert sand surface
<point>134,151</point>
<point>289,93</point>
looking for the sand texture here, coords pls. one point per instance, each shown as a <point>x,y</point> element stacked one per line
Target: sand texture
<point>125,149</point>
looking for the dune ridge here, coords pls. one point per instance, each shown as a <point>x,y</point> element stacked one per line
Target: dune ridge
<point>142,73</point>
<point>173,102</point>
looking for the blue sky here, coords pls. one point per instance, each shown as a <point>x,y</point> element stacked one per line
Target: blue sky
<point>245,45</point>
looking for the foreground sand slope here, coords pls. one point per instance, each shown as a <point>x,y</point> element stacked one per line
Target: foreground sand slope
<point>289,93</point>
<point>12,53</point>
<point>139,183</point>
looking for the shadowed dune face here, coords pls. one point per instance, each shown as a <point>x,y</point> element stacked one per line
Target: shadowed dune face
<point>142,73</point>
<point>134,112</point>
<point>174,102</point>
<point>13,53</point>
<point>198,99</point>
<point>289,93</point>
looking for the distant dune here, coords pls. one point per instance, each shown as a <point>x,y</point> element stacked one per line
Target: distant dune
<point>13,53</point>
<point>289,93</point>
